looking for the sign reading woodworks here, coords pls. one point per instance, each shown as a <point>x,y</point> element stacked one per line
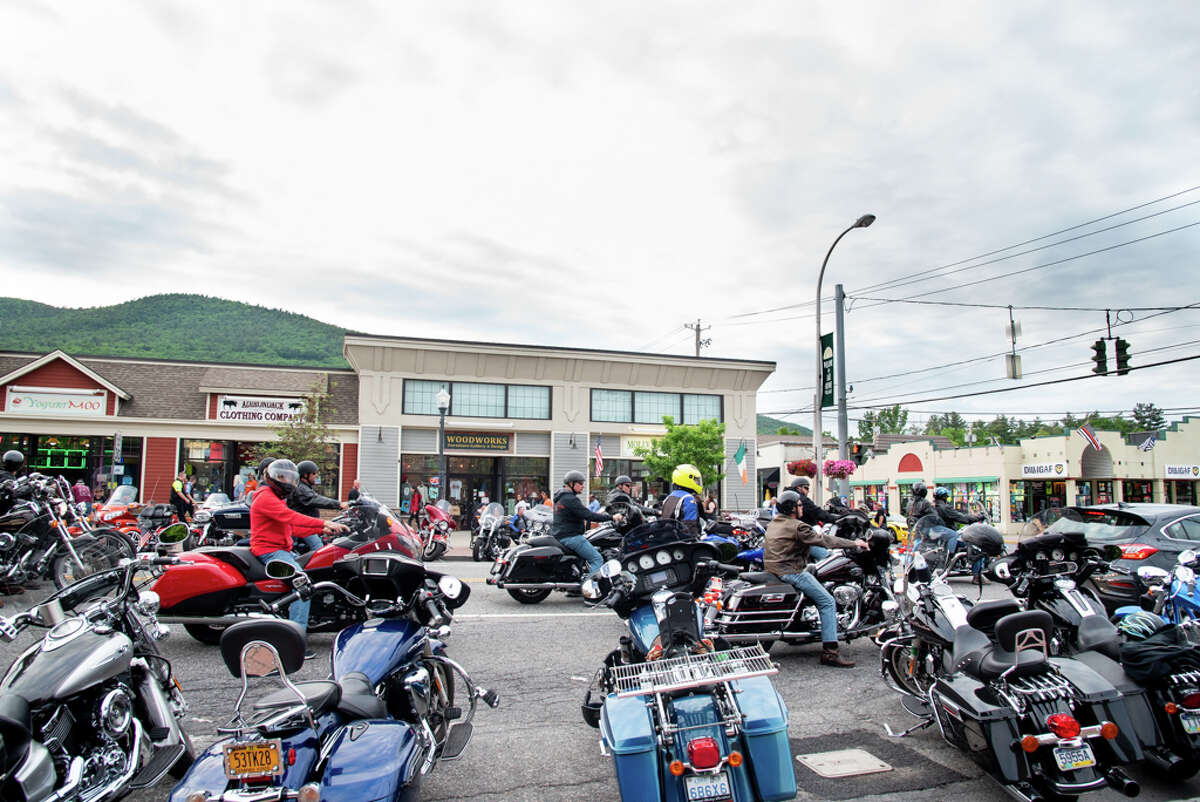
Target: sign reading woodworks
<point>1044,470</point>
<point>83,404</point>
<point>257,409</point>
<point>1182,471</point>
<point>479,441</point>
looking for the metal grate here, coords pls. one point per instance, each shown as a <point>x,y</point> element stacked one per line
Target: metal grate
<point>691,671</point>
<point>1184,678</point>
<point>1042,687</point>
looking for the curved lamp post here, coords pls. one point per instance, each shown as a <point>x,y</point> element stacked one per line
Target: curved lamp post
<point>861,222</point>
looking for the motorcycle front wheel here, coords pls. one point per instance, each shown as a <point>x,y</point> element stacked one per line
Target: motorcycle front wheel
<point>109,548</point>
<point>529,595</point>
<point>434,551</point>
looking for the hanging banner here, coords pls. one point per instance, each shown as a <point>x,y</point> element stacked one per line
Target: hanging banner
<point>826,370</point>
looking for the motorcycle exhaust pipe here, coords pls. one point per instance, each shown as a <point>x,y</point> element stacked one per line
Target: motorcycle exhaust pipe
<point>1169,763</point>
<point>542,585</point>
<point>1024,793</point>
<point>1122,782</point>
<point>211,621</point>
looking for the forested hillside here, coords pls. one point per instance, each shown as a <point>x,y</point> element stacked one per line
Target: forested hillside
<point>173,326</point>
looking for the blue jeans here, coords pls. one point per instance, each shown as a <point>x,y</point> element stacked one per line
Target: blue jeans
<point>811,587</point>
<point>583,547</point>
<point>949,539</point>
<point>298,610</point>
<point>313,542</point>
<point>817,553</point>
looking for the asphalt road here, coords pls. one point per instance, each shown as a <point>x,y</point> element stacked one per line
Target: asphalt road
<point>536,746</point>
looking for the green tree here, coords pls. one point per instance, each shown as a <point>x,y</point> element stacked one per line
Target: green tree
<point>892,420</point>
<point>702,445</point>
<point>1148,417</point>
<point>306,436</point>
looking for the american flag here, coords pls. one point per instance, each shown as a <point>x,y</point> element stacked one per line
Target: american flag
<point>599,458</point>
<point>1089,435</point>
<point>1148,443</point>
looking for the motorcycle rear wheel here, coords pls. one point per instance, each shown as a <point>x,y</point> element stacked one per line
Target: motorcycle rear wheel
<point>208,635</point>
<point>529,595</point>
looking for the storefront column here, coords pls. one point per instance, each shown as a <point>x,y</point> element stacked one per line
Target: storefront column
<point>1071,493</point>
<point>1118,490</point>
<point>1159,492</point>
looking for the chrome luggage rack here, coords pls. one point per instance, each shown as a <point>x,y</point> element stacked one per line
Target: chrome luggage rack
<point>691,671</point>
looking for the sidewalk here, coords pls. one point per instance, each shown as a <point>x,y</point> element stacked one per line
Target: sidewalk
<point>460,547</point>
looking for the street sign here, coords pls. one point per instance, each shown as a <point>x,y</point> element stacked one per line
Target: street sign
<point>117,449</point>
<point>826,370</point>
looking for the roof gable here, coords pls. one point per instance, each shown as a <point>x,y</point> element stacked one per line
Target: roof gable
<point>56,356</point>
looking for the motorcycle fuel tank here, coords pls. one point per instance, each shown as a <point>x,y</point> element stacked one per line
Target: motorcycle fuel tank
<point>203,576</point>
<point>71,658</point>
<point>376,647</point>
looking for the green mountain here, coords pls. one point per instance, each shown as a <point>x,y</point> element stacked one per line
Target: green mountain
<point>175,326</point>
<point>769,425</point>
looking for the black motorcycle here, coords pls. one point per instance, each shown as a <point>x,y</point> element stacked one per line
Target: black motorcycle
<point>91,711</point>
<point>759,606</point>
<point>1043,727</point>
<point>43,533</point>
<point>1048,572</point>
<point>531,570</point>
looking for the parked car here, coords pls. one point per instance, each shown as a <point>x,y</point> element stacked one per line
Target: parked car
<point>1148,534</point>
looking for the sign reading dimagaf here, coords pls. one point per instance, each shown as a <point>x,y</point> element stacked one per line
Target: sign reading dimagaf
<point>1044,470</point>
<point>255,409</point>
<point>36,402</point>
<point>1183,471</point>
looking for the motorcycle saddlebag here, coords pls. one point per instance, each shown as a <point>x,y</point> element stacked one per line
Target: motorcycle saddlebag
<point>626,728</point>
<point>759,608</point>
<point>986,732</point>
<point>1137,700</point>
<point>765,728</point>
<point>371,759</point>
<point>536,564</point>
<point>1106,703</point>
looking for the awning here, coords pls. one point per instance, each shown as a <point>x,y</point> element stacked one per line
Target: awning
<point>909,481</point>
<point>963,479</point>
<point>868,482</point>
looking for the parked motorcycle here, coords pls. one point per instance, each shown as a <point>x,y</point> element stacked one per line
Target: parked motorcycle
<point>759,606</point>
<point>222,585</point>
<point>1173,594</point>
<point>91,711</point>
<point>36,534</point>
<point>495,534</point>
<point>532,569</point>
<point>1041,726</point>
<point>683,718</point>
<point>435,532</point>
<point>394,706</point>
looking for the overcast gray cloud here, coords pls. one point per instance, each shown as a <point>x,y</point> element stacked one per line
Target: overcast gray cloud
<point>566,174</point>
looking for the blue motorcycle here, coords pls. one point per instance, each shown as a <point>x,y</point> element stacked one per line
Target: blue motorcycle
<point>683,718</point>
<point>387,716</point>
<point>1173,594</point>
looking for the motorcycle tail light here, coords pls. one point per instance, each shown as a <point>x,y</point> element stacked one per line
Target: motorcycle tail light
<point>676,767</point>
<point>1192,700</point>
<point>1063,725</point>
<point>1109,730</point>
<point>703,753</point>
<point>1136,551</point>
<point>1030,743</point>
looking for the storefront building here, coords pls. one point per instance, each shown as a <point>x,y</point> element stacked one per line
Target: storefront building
<point>1015,482</point>
<point>521,416</point>
<point>114,421</point>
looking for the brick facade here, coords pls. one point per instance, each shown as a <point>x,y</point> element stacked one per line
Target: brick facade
<point>160,462</point>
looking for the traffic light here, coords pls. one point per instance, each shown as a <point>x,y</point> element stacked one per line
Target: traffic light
<point>1100,357</point>
<point>858,453</point>
<point>1121,347</point>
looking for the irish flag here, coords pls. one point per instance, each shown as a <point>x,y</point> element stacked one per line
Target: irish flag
<point>740,458</point>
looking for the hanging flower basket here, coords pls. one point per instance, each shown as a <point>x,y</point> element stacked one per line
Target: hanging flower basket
<point>840,468</point>
<point>802,467</point>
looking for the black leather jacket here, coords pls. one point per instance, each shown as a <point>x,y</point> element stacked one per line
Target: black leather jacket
<point>307,501</point>
<point>812,515</point>
<point>571,515</point>
<point>619,497</point>
<point>951,516</point>
<point>918,510</point>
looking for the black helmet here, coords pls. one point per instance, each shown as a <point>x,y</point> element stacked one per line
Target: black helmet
<point>262,466</point>
<point>282,476</point>
<point>573,476</point>
<point>788,502</point>
<point>919,490</point>
<point>941,492</point>
<point>307,467</point>
<point>986,538</point>
<point>13,460</point>
<point>622,480</point>
<point>800,481</point>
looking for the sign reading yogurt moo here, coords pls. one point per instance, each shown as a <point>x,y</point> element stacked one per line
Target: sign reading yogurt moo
<point>1183,471</point>
<point>1044,470</point>
<point>256,409</point>
<point>36,402</point>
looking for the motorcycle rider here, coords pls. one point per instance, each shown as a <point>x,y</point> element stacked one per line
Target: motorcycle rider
<point>621,494</point>
<point>920,506</point>
<point>14,461</point>
<point>683,503</point>
<point>950,517</point>
<point>786,551</point>
<point>571,517</point>
<point>307,501</point>
<point>810,513</point>
<point>273,525</point>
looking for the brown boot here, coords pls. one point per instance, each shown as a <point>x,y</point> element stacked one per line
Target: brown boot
<point>830,657</point>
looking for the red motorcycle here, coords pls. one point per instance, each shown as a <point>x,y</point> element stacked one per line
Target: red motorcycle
<point>224,585</point>
<point>435,532</point>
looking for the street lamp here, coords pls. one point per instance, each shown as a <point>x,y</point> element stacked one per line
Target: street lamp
<point>443,404</point>
<point>861,222</point>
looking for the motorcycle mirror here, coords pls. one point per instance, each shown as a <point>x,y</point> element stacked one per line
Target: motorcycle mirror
<point>590,590</point>
<point>1110,553</point>
<point>451,587</point>
<point>173,534</point>
<point>610,569</point>
<point>1186,556</point>
<point>1002,571</point>
<point>1151,575</point>
<point>1185,575</point>
<point>281,569</point>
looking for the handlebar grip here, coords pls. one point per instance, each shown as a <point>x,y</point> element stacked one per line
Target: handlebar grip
<point>617,596</point>
<point>725,568</point>
<point>436,616</point>
<point>282,602</point>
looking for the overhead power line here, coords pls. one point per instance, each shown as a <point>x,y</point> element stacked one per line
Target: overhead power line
<point>1023,308</point>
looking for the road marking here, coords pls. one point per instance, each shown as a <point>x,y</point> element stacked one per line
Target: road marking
<point>529,615</point>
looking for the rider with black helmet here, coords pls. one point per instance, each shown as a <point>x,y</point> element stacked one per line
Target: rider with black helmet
<point>810,513</point>
<point>571,517</point>
<point>620,494</point>
<point>14,461</point>
<point>307,501</point>
<point>920,506</point>
<point>949,515</point>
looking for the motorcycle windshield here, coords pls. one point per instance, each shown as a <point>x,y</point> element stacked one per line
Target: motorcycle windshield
<point>492,514</point>
<point>925,525</point>
<point>542,514</point>
<point>123,495</point>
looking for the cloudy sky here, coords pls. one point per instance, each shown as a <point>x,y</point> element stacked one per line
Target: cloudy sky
<point>598,174</point>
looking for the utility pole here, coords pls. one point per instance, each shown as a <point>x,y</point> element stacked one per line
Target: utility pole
<point>839,339</point>
<point>696,327</point>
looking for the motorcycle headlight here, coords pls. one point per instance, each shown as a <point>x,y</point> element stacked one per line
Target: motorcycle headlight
<point>202,517</point>
<point>590,589</point>
<point>443,525</point>
<point>148,602</point>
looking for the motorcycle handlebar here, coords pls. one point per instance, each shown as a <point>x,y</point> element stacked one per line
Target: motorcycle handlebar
<point>724,568</point>
<point>437,615</point>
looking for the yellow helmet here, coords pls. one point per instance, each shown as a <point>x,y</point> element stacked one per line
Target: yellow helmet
<point>688,476</point>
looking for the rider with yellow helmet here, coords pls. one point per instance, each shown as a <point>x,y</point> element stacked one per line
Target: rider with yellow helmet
<point>683,504</point>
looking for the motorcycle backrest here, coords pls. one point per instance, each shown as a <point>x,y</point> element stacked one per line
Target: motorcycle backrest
<point>286,637</point>
<point>984,615</point>
<point>1030,629</point>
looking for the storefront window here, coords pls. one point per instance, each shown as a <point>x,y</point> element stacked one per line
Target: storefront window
<point>524,477</point>
<point>1182,492</point>
<point>86,458</point>
<point>1137,491</point>
<point>602,485</point>
<point>528,402</point>
<point>651,407</point>
<point>629,406</point>
<point>871,496</point>
<point>477,400</point>
<point>698,408</point>
<point>420,397</point>
<point>1027,499</point>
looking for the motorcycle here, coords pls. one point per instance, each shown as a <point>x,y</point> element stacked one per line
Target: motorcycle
<point>1047,572</point>
<point>759,606</point>
<point>435,533</point>
<point>930,536</point>
<point>92,711</point>
<point>394,706</point>
<point>1173,594</point>
<point>538,518</point>
<point>223,585</point>
<point>531,570</point>
<point>1040,726</point>
<point>494,536</point>
<point>682,717</point>
<point>36,534</point>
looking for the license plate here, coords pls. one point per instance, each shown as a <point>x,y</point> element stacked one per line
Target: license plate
<point>253,759</point>
<point>708,787</point>
<point>1074,757</point>
<point>1190,722</point>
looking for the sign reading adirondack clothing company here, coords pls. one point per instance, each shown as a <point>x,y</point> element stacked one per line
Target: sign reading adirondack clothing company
<point>826,370</point>
<point>1183,471</point>
<point>1044,470</point>
<point>479,441</point>
<point>256,409</point>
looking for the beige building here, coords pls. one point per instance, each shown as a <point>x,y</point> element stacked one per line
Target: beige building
<point>1017,481</point>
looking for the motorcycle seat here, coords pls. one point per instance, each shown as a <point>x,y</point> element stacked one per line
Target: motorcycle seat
<point>358,699</point>
<point>1097,633</point>
<point>543,540</point>
<point>759,577</point>
<point>321,696</point>
<point>242,559</point>
<point>1022,640</point>
<point>16,721</point>
<point>984,615</point>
